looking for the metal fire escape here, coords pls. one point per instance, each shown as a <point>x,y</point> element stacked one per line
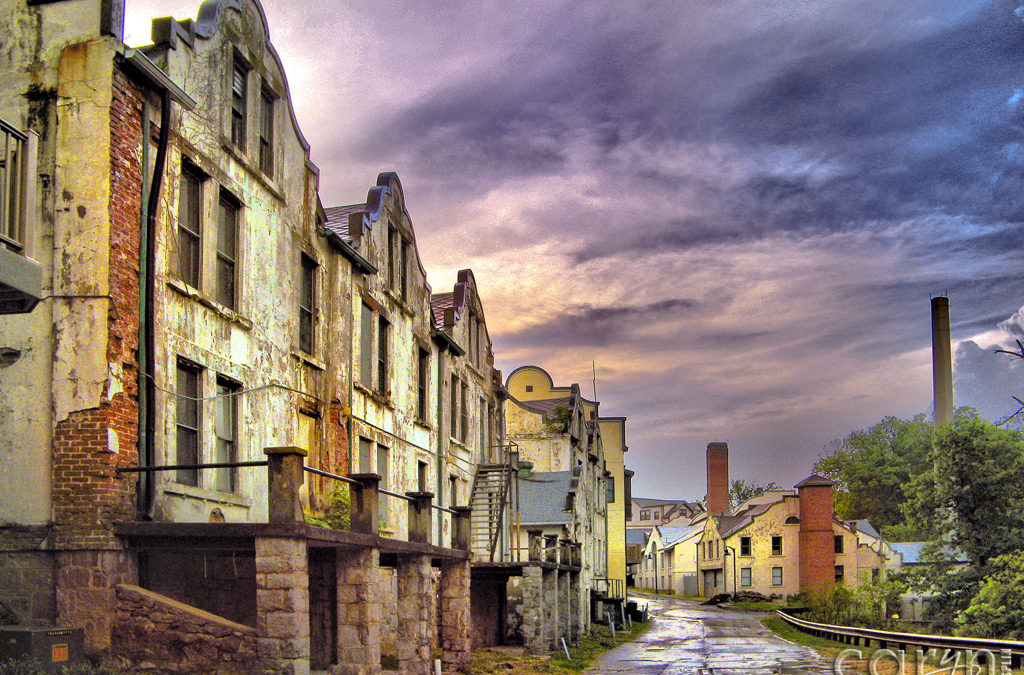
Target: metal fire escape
<point>492,489</point>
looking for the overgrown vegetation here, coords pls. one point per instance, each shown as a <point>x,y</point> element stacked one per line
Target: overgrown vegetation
<point>27,666</point>
<point>557,420</point>
<point>336,513</point>
<point>741,490</point>
<point>872,605</point>
<point>582,656</point>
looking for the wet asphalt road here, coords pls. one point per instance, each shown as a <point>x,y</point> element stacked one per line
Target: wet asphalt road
<point>687,638</point>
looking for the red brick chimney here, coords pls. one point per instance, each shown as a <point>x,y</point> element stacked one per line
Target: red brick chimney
<point>817,546</point>
<point>718,477</point>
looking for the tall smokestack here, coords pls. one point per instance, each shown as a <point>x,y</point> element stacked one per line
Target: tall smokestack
<point>942,362</point>
<point>718,477</point>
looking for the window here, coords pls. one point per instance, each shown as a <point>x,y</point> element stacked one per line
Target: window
<point>875,573</point>
<point>12,188</point>
<point>839,573</point>
<point>403,266</point>
<point>776,576</point>
<point>644,515</point>
<point>382,470</point>
<point>267,133</point>
<point>307,304</point>
<point>392,250</point>
<point>744,576</point>
<point>189,218</point>
<point>239,84</point>
<point>422,477</point>
<point>838,543</point>
<point>366,346</point>
<point>464,413</point>
<point>472,339</point>
<point>187,422</point>
<point>744,545</point>
<point>482,411</point>
<point>609,486</point>
<point>529,387</point>
<point>365,455</point>
<point>776,545</point>
<point>454,407</point>
<point>227,245</point>
<point>422,383</point>
<point>227,428</point>
<point>382,357</point>
<point>453,490</point>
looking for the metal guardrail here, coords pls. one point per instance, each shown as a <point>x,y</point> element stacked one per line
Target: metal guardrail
<point>853,635</point>
<point>346,479</point>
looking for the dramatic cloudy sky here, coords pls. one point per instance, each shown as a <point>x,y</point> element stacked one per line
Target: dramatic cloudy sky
<point>737,209</point>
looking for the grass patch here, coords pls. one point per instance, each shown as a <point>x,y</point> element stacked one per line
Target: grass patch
<point>754,606</point>
<point>651,591</point>
<point>794,634</point>
<point>600,640</point>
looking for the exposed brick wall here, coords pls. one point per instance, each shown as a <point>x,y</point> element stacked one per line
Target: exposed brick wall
<point>817,548</point>
<point>159,635</point>
<point>718,477</point>
<point>87,493</point>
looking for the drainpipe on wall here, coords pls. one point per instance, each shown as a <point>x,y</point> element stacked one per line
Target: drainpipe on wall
<point>440,443</point>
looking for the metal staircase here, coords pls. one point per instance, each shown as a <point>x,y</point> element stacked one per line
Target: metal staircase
<point>491,486</point>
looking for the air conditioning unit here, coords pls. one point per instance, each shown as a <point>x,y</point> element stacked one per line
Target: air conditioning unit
<point>52,648</point>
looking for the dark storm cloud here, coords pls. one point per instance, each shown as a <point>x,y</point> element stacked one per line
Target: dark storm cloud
<point>587,325</point>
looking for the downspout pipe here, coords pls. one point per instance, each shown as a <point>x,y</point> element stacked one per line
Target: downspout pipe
<point>149,311</point>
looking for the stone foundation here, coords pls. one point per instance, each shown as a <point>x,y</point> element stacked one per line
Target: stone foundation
<point>27,577</point>
<point>86,596</point>
<point>455,616</point>
<point>414,614</point>
<point>282,604</point>
<point>359,613</point>
<point>159,635</point>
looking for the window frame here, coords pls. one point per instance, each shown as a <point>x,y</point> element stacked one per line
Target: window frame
<point>307,294</point>
<point>838,545</point>
<point>777,576</point>
<point>228,391</point>
<point>189,231</point>
<point>14,191</point>
<point>776,544</point>
<point>185,424</point>
<point>383,360</point>
<point>422,383</point>
<point>227,260</point>
<point>268,106</point>
<point>464,413</point>
<point>239,102</point>
<point>453,397</point>
<point>746,577</point>
<point>745,546</point>
<point>366,342</point>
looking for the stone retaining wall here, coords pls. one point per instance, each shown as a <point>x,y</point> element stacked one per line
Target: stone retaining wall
<point>155,634</point>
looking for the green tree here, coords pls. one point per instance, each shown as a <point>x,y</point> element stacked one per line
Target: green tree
<point>872,467</point>
<point>740,490</point>
<point>997,609</point>
<point>973,504</point>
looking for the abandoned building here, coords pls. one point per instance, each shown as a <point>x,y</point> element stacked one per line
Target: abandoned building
<point>241,430</point>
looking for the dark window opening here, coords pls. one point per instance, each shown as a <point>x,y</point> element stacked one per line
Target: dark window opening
<point>307,304</point>
<point>227,429</point>
<point>267,133</point>
<point>187,422</point>
<point>227,250</point>
<point>776,545</point>
<point>744,545</point>
<point>189,219</point>
<point>239,82</point>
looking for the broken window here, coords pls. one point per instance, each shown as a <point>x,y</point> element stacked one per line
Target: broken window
<point>366,346</point>
<point>840,573</point>
<point>838,543</point>
<point>267,132</point>
<point>187,421</point>
<point>307,304</point>
<point>189,219</point>
<point>382,357</point>
<point>239,85</point>
<point>227,428</point>
<point>744,545</point>
<point>776,545</point>
<point>422,383</point>
<point>227,249</point>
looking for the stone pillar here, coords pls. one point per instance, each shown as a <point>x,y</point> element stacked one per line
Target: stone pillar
<point>564,607</point>
<point>415,618</point>
<point>551,548</point>
<point>456,642</point>
<point>550,602</point>
<point>359,613</point>
<point>284,479</point>
<point>534,626</point>
<point>575,615</point>
<point>282,603</point>
<point>365,503</point>
<point>461,528</point>
<point>419,516</point>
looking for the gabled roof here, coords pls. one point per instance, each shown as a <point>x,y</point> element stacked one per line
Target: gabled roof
<point>637,535</point>
<point>337,219</point>
<point>647,502</point>
<point>439,302</point>
<point>866,527</point>
<point>671,536</point>
<point>731,524</point>
<point>544,498</point>
<point>546,406</point>
<point>815,480</point>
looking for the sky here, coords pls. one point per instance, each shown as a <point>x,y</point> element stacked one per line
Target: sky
<point>737,211</point>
